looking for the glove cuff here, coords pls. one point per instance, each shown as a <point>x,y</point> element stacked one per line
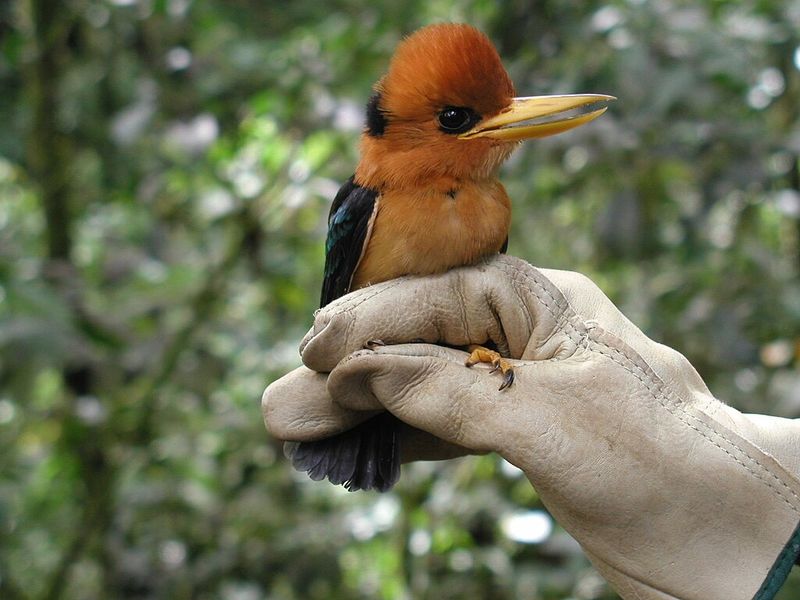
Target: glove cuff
<point>789,557</point>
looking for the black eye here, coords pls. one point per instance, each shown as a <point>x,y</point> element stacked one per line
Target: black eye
<point>457,119</point>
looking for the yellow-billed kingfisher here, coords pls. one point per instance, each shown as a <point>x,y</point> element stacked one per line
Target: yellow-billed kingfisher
<point>425,198</point>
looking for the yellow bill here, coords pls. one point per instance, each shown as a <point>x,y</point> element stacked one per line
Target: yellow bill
<point>511,125</point>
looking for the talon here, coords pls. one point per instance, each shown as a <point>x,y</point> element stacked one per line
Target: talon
<point>372,344</point>
<point>508,379</point>
<point>479,354</point>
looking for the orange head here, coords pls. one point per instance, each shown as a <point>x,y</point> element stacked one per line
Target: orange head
<point>446,109</point>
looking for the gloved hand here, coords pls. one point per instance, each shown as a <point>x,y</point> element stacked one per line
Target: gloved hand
<point>671,493</point>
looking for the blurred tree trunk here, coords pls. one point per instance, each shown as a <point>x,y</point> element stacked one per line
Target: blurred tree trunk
<point>48,148</point>
<point>50,155</point>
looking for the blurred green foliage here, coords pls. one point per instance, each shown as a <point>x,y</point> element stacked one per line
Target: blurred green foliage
<point>166,167</point>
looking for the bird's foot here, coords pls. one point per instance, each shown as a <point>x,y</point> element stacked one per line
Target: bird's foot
<point>479,354</point>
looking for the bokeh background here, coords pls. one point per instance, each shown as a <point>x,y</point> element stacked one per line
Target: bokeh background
<point>166,169</point>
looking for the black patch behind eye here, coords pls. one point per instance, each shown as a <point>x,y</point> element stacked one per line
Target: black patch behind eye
<point>376,118</point>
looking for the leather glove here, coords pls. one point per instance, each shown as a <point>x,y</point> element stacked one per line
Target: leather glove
<point>671,493</point>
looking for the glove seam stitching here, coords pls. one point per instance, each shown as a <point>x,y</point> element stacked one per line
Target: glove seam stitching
<point>655,387</point>
<point>658,394</point>
<point>459,290</point>
<point>560,318</point>
<point>528,320</point>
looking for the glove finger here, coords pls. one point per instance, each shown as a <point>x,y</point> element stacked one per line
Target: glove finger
<point>358,401</point>
<point>471,305</point>
<point>297,407</point>
<point>434,392</point>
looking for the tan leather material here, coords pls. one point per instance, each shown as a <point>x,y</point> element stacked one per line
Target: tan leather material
<point>671,493</point>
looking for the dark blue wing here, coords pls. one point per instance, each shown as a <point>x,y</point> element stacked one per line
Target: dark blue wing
<point>348,226</point>
<point>366,457</point>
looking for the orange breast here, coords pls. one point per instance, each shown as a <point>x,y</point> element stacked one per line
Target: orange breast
<point>421,232</point>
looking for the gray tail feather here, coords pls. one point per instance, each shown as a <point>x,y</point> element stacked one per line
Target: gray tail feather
<point>366,457</point>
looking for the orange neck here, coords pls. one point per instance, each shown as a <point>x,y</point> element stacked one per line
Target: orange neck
<point>409,164</point>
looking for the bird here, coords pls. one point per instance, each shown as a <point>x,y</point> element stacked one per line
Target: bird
<point>425,198</point>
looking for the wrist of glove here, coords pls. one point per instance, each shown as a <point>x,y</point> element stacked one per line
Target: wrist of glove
<point>671,493</point>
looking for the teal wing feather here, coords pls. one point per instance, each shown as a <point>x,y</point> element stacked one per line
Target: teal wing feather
<point>349,222</point>
<point>366,457</point>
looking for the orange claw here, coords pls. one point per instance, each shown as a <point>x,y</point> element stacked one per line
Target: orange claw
<point>479,354</point>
